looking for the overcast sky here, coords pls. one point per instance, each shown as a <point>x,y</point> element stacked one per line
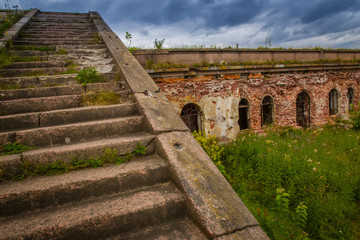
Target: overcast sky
<point>288,23</point>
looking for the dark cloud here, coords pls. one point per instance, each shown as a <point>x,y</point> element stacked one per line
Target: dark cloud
<point>283,20</point>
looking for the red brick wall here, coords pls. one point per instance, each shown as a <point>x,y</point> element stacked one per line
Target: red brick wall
<point>219,97</point>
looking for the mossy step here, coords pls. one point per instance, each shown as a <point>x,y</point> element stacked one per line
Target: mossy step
<point>71,89</point>
<point>46,42</point>
<point>37,64</point>
<point>24,121</point>
<point>179,229</point>
<point>45,81</point>
<point>41,192</point>
<point>23,72</point>
<point>101,217</point>
<point>75,132</point>
<point>13,165</point>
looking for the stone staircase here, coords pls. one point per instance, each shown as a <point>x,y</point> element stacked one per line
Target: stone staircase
<point>133,200</point>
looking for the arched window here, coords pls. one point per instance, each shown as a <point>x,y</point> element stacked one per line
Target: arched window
<point>244,115</point>
<point>333,102</point>
<point>267,111</point>
<point>190,114</point>
<point>350,98</point>
<point>303,109</point>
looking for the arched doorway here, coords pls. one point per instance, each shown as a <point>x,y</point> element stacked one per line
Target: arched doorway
<point>190,114</point>
<point>267,111</point>
<point>244,117</point>
<point>333,102</point>
<point>303,109</point>
<point>350,98</point>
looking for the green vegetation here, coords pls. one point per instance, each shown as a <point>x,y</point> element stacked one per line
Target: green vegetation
<point>10,19</point>
<point>35,48</point>
<point>96,39</point>
<point>158,44</point>
<point>61,51</point>
<point>152,65</point>
<point>109,156</point>
<point>88,75</point>
<point>355,118</point>
<point>128,37</point>
<point>299,184</point>
<point>13,148</point>
<point>92,98</point>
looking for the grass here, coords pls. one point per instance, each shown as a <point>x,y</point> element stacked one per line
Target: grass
<point>299,184</point>
<point>92,98</point>
<point>13,148</point>
<point>88,75</point>
<point>35,48</point>
<point>109,156</point>
<point>10,19</point>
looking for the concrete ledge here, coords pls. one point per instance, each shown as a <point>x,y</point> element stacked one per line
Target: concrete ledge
<point>159,113</point>
<point>16,28</point>
<point>210,199</point>
<point>253,233</point>
<point>132,72</point>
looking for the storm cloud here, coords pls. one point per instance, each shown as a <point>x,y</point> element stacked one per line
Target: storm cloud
<point>326,23</point>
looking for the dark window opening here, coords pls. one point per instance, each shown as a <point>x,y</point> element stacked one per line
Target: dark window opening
<point>190,114</point>
<point>350,97</point>
<point>244,118</point>
<point>303,109</point>
<point>333,102</point>
<point>267,109</point>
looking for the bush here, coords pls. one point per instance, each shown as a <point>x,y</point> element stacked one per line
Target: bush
<point>355,118</point>
<point>88,75</point>
<point>298,184</point>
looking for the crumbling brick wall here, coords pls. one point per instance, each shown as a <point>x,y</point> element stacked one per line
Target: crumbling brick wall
<point>218,97</point>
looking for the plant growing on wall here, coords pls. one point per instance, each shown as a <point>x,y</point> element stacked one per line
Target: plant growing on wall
<point>158,44</point>
<point>128,37</point>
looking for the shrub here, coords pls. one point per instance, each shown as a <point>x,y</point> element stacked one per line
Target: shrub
<point>88,75</point>
<point>298,184</point>
<point>355,118</point>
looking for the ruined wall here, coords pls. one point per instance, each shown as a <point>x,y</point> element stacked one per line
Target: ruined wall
<point>218,56</point>
<point>219,97</point>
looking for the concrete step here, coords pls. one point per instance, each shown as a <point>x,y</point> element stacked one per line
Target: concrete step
<point>39,104</point>
<point>12,165</point>
<point>72,89</point>
<point>100,217</point>
<point>38,64</point>
<point>179,229</point>
<point>44,81</point>
<point>78,52</point>
<point>69,32</point>
<point>46,42</point>
<point>67,116</point>
<point>23,72</point>
<point>41,192</point>
<point>75,132</point>
<point>55,34</point>
<point>60,27</point>
<point>61,23</point>
<point>62,14</point>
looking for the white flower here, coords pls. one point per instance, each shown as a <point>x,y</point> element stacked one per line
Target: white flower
<point>314,169</point>
<point>309,160</point>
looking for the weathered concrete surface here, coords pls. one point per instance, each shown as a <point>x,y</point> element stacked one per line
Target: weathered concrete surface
<point>16,28</point>
<point>219,56</point>
<point>10,166</point>
<point>211,200</point>
<point>159,113</point>
<point>99,217</point>
<point>180,229</point>
<point>253,233</point>
<point>135,76</point>
<point>42,192</point>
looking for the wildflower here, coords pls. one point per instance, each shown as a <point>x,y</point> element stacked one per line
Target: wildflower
<point>318,163</point>
<point>309,160</point>
<point>314,169</point>
<point>315,150</point>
